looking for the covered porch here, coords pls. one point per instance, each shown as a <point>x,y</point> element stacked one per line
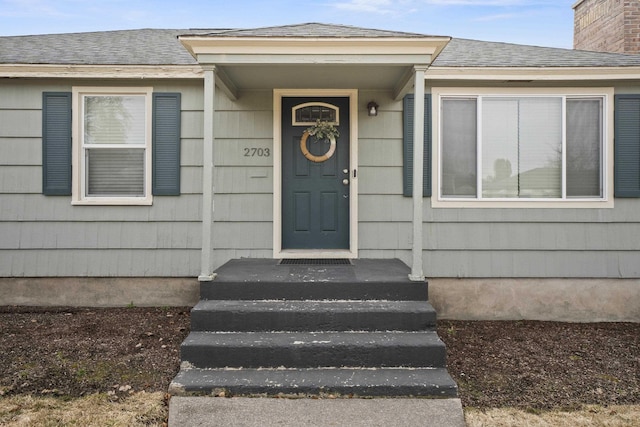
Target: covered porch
<point>312,60</point>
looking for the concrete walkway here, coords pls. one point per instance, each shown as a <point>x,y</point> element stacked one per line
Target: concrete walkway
<point>238,411</point>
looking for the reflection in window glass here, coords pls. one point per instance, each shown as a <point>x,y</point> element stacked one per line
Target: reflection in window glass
<point>521,147</point>
<point>459,147</point>
<point>516,146</point>
<point>584,147</point>
<point>114,120</point>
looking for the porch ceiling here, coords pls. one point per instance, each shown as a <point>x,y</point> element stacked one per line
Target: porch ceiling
<point>313,76</point>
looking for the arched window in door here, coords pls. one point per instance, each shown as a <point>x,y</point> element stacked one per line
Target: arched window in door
<point>309,113</point>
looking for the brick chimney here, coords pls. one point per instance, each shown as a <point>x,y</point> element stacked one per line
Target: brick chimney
<point>607,25</point>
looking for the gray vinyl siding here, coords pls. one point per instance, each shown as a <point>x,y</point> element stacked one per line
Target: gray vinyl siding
<point>47,236</point>
<point>243,215</point>
<point>549,243</point>
<point>384,228</point>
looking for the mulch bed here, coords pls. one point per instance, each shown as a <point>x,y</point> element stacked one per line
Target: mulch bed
<point>543,365</point>
<point>72,352</point>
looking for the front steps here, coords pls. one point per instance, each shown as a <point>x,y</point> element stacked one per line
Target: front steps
<point>268,329</point>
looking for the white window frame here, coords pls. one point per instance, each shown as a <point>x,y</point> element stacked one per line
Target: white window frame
<point>79,167</point>
<point>605,93</point>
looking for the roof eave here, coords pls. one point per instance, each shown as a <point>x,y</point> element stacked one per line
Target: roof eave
<point>101,71</point>
<point>315,49</point>
<point>533,73</point>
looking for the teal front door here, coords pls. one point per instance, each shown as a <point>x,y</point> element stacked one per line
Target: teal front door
<point>315,175</point>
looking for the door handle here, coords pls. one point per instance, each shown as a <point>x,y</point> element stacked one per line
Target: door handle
<point>345,181</point>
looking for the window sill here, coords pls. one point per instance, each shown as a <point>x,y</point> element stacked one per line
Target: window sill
<point>523,204</point>
<point>112,201</point>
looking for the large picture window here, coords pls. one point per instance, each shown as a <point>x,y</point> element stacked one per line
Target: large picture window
<point>534,148</point>
<point>113,146</point>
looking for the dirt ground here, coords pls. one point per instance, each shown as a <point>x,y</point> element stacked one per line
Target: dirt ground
<point>72,352</point>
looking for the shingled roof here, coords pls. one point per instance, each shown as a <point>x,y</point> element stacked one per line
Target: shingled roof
<point>316,30</point>
<point>475,53</point>
<point>127,47</point>
<point>162,47</point>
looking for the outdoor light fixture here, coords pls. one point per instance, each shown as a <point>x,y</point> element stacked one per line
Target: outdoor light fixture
<point>372,108</point>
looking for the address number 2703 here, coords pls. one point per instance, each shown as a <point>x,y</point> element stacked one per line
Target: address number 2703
<point>257,152</point>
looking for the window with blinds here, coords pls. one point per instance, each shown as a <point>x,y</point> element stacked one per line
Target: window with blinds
<point>546,147</point>
<point>115,145</point>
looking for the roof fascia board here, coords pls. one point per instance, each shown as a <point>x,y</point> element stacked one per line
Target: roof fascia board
<point>533,73</point>
<point>312,45</point>
<point>312,59</point>
<point>102,71</point>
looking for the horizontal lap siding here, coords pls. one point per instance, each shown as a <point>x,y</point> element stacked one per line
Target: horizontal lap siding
<point>47,236</point>
<point>243,177</point>
<point>100,263</point>
<point>36,207</point>
<point>20,151</point>
<point>100,235</point>
<point>549,243</point>
<point>532,264</point>
<point>384,216</point>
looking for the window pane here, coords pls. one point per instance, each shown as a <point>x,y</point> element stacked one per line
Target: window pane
<point>114,119</point>
<point>521,147</point>
<point>115,172</point>
<point>312,113</point>
<point>541,147</point>
<point>500,147</point>
<point>584,142</point>
<point>459,158</point>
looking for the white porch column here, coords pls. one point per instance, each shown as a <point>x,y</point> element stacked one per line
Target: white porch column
<point>417,273</point>
<point>206,260</point>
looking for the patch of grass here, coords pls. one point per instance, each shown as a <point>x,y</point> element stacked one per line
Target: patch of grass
<point>587,416</point>
<point>106,371</point>
<point>138,409</point>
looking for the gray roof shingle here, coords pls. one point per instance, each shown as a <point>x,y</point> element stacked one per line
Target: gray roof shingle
<point>316,30</point>
<point>127,47</point>
<point>474,53</point>
<point>162,47</point>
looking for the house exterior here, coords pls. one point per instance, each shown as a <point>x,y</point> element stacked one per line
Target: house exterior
<point>132,162</point>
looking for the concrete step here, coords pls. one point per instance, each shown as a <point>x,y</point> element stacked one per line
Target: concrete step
<point>267,279</point>
<point>232,290</point>
<point>313,349</point>
<point>423,382</point>
<point>325,315</point>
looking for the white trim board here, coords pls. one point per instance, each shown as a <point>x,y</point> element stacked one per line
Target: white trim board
<point>278,252</point>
